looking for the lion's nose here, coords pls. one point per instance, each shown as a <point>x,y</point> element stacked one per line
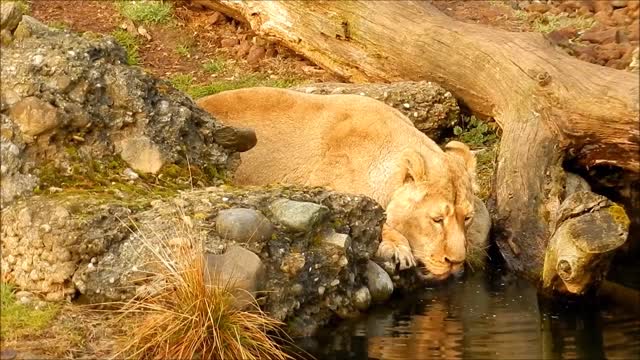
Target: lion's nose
<point>453,260</point>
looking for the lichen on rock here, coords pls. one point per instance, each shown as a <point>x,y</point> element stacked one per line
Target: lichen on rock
<point>65,91</point>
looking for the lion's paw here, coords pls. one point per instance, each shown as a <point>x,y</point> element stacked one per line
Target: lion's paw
<point>401,254</point>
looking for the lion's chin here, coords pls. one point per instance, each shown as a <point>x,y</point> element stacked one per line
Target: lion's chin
<point>429,276</point>
<point>440,277</point>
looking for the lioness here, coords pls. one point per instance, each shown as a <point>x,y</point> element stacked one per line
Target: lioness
<point>359,145</point>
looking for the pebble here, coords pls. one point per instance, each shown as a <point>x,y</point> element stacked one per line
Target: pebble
<point>128,172</point>
<point>8,354</point>
<point>37,60</point>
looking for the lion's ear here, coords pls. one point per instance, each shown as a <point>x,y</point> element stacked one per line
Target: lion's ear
<point>413,167</point>
<point>461,150</point>
<point>466,155</point>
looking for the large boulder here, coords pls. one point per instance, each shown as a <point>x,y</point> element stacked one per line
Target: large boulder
<point>97,247</point>
<point>70,107</point>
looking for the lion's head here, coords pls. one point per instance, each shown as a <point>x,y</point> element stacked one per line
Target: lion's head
<point>433,206</point>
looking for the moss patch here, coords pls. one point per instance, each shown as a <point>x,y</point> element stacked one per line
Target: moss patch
<point>619,215</point>
<point>20,320</point>
<point>104,180</point>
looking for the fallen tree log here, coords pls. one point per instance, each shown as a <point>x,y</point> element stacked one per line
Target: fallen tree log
<point>552,108</point>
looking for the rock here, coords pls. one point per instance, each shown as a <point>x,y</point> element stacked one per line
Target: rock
<point>103,107</point>
<point>24,297</point>
<point>14,180</point>
<point>228,42</point>
<point>362,298</point>
<point>603,18</point>
<point>336,239</point>
<point>296,215</point>
<point>243,225</point>
<point>237,139</point>
<point>217,18</point>
<point>34,116</point>
<point>538,8</point>
<point>379,283</point>
<point>10,16</point>
<point>6,38</point>
<point>90,252</point>
<point>8,354</point>
<point>569,6</point>
<point>619,17</point>
<point>610,51</point>
<point>29,26</point>
<point>292,264</point>
<point>243,49</point>
<point>602,6</point>
<point>256,53</point>
<point>585,11</point>
<point>132,175</point>
<point>575,183</point>
<point>597,36</point>
<point>238,268</point>
<point>141,154</point>
<point>562,36</point>
<point>433,110</point>
<point>586,53</point>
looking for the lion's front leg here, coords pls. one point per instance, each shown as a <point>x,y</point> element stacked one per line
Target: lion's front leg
<point>395,246</point>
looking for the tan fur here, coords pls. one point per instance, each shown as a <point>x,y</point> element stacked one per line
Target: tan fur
<point>359,145</point>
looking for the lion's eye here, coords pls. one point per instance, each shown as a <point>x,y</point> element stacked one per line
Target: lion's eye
<point>468,218</point>
<point>437,220</point>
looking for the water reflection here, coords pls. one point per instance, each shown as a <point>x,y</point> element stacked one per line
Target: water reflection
<point>485,316</point>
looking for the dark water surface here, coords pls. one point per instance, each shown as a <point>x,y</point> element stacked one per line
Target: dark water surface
<point>485,316</point>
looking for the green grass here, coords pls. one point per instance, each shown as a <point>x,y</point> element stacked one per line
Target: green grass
<point>24,7</point>
<point>155,12</point>
<point>18,320</point>
<point>476,133</point>
<point>129,43</point>
<point>185,83</point>
<point>182,82</point>
<point>183,50</point>
<point>215,66</point>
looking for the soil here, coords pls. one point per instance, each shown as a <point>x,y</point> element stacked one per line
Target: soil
<point>600,32</point>
<point>185,44</point>
<point>197,36</point>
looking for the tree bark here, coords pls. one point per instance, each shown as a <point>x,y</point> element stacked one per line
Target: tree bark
<point>552,108</point>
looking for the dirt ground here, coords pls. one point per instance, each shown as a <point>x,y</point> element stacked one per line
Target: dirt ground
<point>206,46</point>
<point>193,38</point>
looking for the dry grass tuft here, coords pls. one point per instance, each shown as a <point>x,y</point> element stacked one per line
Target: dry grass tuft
<point>184,318</point>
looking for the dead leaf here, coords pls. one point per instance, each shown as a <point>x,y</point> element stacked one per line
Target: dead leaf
<point>130,27</point>
<point>142,31</point>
